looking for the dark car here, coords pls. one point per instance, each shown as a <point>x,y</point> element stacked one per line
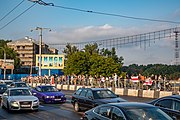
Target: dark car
<point>3,88</point>
<point>49,94</point>
<point>126,111</point>
<point>169,104</point>
<point>87,98</point>
<point>18,84</point>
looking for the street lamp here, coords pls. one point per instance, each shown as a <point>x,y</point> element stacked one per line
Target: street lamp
<point>40,29</point>
<point>4,62</point>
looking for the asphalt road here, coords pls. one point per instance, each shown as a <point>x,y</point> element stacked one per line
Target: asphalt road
<point>55,111</point>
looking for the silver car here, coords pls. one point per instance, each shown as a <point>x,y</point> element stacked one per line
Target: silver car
<point>19,98</point>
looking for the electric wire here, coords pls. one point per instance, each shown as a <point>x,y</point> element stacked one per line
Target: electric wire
<point>12,10</point>
<point>103,13</point>
<point>18,16</point>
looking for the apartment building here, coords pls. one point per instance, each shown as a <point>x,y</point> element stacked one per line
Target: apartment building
<point>27,50</point>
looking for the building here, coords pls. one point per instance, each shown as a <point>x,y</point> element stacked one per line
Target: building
<point>27,50</point>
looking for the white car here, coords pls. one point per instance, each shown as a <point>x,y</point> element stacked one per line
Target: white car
<point>19,98</point>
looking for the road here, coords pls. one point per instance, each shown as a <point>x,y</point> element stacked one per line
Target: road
<point>55,111</point>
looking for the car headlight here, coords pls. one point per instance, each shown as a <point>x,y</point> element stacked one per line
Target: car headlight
<point>50,97</point>
<point>14,104</point>
<point>35,102</point>
<point>62,96</point>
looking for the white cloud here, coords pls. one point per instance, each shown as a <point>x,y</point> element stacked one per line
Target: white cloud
<point>159,52</point>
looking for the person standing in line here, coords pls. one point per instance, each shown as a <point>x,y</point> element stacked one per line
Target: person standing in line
<point>115,79</point>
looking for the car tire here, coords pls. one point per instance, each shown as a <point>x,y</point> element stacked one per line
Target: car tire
<point>76,107</point>
<point>3,107</point>
<point>8,109</point>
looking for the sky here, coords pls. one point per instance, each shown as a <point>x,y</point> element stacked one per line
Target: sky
<point>76,26</point>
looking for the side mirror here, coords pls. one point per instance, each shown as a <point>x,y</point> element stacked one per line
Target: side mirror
<point>5,94</point>
<point>118,95</point>
<point>90,97</point>
<point>59,89</point>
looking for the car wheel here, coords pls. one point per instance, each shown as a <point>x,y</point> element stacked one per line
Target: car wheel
<point>2,105</point>
<point>8,109</point>
<point>76,107</point>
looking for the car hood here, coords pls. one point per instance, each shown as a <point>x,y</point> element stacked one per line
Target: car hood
<point>23,98</point>
<point>53,93</point>
<point>110,100</point>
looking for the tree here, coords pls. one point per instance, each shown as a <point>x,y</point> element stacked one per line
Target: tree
<point>10,53</point>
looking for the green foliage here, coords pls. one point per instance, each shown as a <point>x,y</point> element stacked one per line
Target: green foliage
<point>90,61</point>
<point>10,53</point>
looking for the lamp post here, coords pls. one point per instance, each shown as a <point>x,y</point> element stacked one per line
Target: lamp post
<point>4,62</point>
<point>40,29</point>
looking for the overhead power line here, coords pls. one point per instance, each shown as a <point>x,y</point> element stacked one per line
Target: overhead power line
<point>17,16</point>
<point>12,10</point>
<point>41,2</point>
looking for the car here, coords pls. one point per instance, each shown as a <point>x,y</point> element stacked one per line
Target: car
<point>19,98</point>
<point>125,111</point>
<point>169,104</point>
<point>87,98</point>
<point>3,88</point>
<point>18,84</point>
<point>7,82</point>
<point>49,94</point>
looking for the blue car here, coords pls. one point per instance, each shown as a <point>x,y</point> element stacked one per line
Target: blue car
<point>49,94</point>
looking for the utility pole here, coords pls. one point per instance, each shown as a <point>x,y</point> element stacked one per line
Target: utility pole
<point>40,29</point>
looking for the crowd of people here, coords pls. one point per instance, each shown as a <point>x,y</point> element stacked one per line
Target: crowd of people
<point>99,81</point>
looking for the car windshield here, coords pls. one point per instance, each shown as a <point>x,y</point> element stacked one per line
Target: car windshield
<point>146,114</point>
<point>49,89</point>
<point>21,85</point>
<point>101,94</point>
<point>19,92</point>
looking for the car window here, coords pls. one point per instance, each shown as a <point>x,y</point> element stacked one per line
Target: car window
<point>83,93</point>
<point>101,94</point>
<point>167,103</point>
<point>38,89</point>
<point>49,89</point>
<point>19,92</point>
<point>21,85</point>
<point>105,111</point>
<point>89,94</point>
<point>78,91</point>
<point>176,105</point>
<point>116,114</point>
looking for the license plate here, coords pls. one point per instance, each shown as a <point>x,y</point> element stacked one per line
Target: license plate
<point>25,105</point>
<point>57,99</point>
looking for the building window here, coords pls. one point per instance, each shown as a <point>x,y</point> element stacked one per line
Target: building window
<point>23,55</point>
<point>23,47</point>
<point>22,63</point>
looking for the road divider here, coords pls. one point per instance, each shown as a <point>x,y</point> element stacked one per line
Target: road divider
<point>118,91</point>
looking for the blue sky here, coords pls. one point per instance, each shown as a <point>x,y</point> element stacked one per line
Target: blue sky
<point>74,26</point>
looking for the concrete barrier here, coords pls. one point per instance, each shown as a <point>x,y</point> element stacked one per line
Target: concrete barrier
<point>119,91</point>
<point>59,86</point>
<point>65,87</point>
<point>72,87</point>
<point>132,92</point>
<point>148,93</point>
<point>78,86</point>
<point>164,93</point>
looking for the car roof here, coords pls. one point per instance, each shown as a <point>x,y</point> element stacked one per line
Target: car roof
<point>45,86</point>
<point>15,88</point>
<point>18,82</point>
<point>96,89</point>
<point>173,96</point>
<point>131,105</point>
